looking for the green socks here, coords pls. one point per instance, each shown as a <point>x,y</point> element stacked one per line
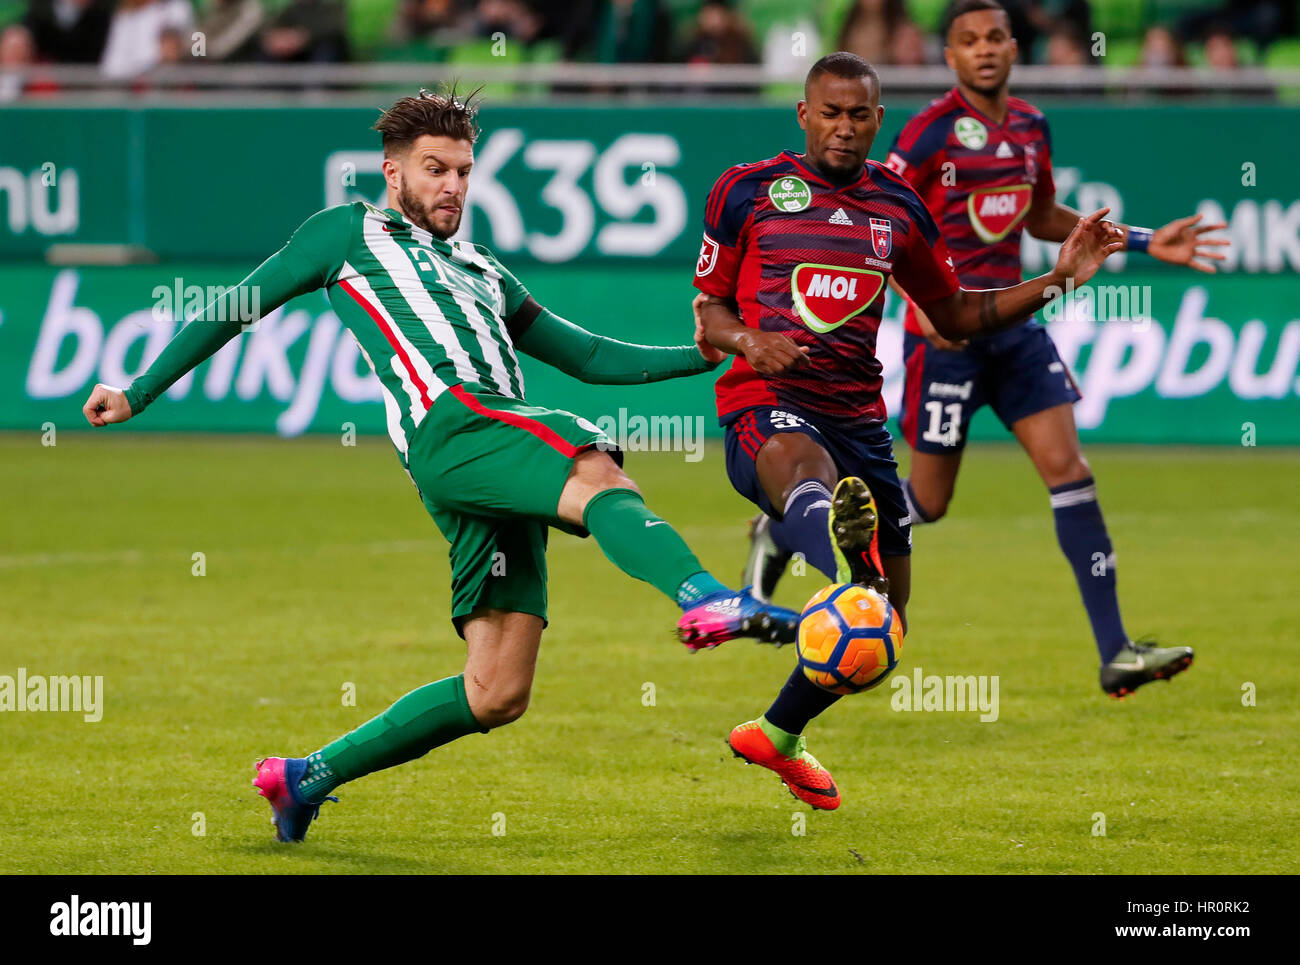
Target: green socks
<point>646,547</point>
<point>427,717</point>
<point>784,742</point>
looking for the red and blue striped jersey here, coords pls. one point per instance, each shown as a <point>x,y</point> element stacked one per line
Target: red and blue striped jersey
<point>979,180</point>
<point>810,259</point>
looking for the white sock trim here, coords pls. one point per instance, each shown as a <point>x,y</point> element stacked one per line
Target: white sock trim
<point>804,488</point>
<point>1075,497</point>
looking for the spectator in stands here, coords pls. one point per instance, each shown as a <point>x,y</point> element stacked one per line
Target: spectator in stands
<point>17,54</point>
<point>425,18</point>
<point>720,36</point>
<point>1066,48</point>
<point>172,48</point>
<point>69,31</point>
<point>1160,48</point>
<point>307,31</point>
<point>1263,21</point>
<point>913,47</point>
<point>618,32</point>
<point>230,29</point>
<point>1044,15</point>
<point>869,28</point>
<point>1221,49</point>
<point>133,45</point>
<point>513,18</point>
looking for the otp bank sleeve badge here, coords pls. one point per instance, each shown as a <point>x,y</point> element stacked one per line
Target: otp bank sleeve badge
<point>882,236</point>
<point>708,257</point>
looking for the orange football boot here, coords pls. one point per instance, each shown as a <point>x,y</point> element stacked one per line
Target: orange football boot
<point>806,779</point>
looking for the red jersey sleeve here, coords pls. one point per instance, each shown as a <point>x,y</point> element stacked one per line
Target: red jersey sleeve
<point>1044,183</point>
<point>918,150</point>
<point>925,272</point>
<point>725,218</point>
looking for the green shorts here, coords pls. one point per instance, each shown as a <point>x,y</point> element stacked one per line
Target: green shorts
<point>490,471</point>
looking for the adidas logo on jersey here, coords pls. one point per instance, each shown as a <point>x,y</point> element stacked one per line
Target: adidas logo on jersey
<point>839,217</point>
<point>1004,150</point>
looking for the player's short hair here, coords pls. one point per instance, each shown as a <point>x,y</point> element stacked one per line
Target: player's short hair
<point>963,7</point>
<point>841,64</point>
<point>439,113</point>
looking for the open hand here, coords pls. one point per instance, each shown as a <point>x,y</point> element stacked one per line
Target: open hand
<point>1180,243</point>
<point>1087,246</point>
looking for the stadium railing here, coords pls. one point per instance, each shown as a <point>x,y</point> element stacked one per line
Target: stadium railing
<point>339,83</point>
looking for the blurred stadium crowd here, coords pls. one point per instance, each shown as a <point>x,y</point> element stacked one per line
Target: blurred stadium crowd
<point>128,38</point>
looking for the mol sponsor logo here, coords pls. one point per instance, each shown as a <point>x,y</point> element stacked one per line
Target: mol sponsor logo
<point>827,296</point>
<point>994,212</point>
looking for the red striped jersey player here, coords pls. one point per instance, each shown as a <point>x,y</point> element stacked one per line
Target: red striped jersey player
<point>982,161</point>
<point>796,254</point>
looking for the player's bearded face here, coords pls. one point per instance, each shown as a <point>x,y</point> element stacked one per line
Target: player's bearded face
<point>432,181</point>
<point>981,50</point>
<point>840,118</point>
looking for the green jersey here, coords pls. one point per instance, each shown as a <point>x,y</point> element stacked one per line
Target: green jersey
<point>427,314</point>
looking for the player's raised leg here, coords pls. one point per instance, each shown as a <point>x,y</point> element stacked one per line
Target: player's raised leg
<point>1052,442</point>
<point>836,523</point>
<point>493,691</point>
<point>602,499</point>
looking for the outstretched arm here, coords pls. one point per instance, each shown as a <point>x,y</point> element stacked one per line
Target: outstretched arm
<point>1179,243</point>
<point>596,359</point>
<point>968,313</point>
<point>269,286</point>
<point>301,266</point>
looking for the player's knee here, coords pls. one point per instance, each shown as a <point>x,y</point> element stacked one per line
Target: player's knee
<point>499,708</point>
<point>1067,467</point>
<point>937,508</point>
<point>934,506</point>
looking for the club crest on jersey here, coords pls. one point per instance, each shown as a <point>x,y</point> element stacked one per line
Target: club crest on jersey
<point>708,257</point>
<point>994,212</point>
<point>827,296</point>
<point>882,236</point>
<point>789,194</point>
<point>971,133</point>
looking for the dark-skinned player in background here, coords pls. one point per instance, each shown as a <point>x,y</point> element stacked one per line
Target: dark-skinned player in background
<point>981,160</point>
<point>796,253</point>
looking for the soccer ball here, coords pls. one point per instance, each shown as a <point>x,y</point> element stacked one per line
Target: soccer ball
<point>849,638</point>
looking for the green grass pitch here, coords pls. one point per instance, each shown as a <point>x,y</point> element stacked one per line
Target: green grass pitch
<point>323,571</point>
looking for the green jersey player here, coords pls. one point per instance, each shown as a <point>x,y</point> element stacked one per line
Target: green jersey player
<point>441,322</point>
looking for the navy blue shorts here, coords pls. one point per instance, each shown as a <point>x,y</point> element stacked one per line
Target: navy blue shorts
<point>1017,372</point>
<point>867,452</point>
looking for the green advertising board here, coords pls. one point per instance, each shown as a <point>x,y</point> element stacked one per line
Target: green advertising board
<point>599,211</point>
<point>557,185</point>
<point>1198,359</point>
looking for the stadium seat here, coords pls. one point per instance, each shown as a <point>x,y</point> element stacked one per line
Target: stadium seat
<point>1122,53</point>
<point>368,25</point>
<point>11,11</point>
<point>833,15</point>
<point>421,51</point>
<point>1169,12</point>
<point>763,15</point>
<point>1119,19</point>
<point>927,14</point>
<point>1285,53</point>
<point>478,53</point>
